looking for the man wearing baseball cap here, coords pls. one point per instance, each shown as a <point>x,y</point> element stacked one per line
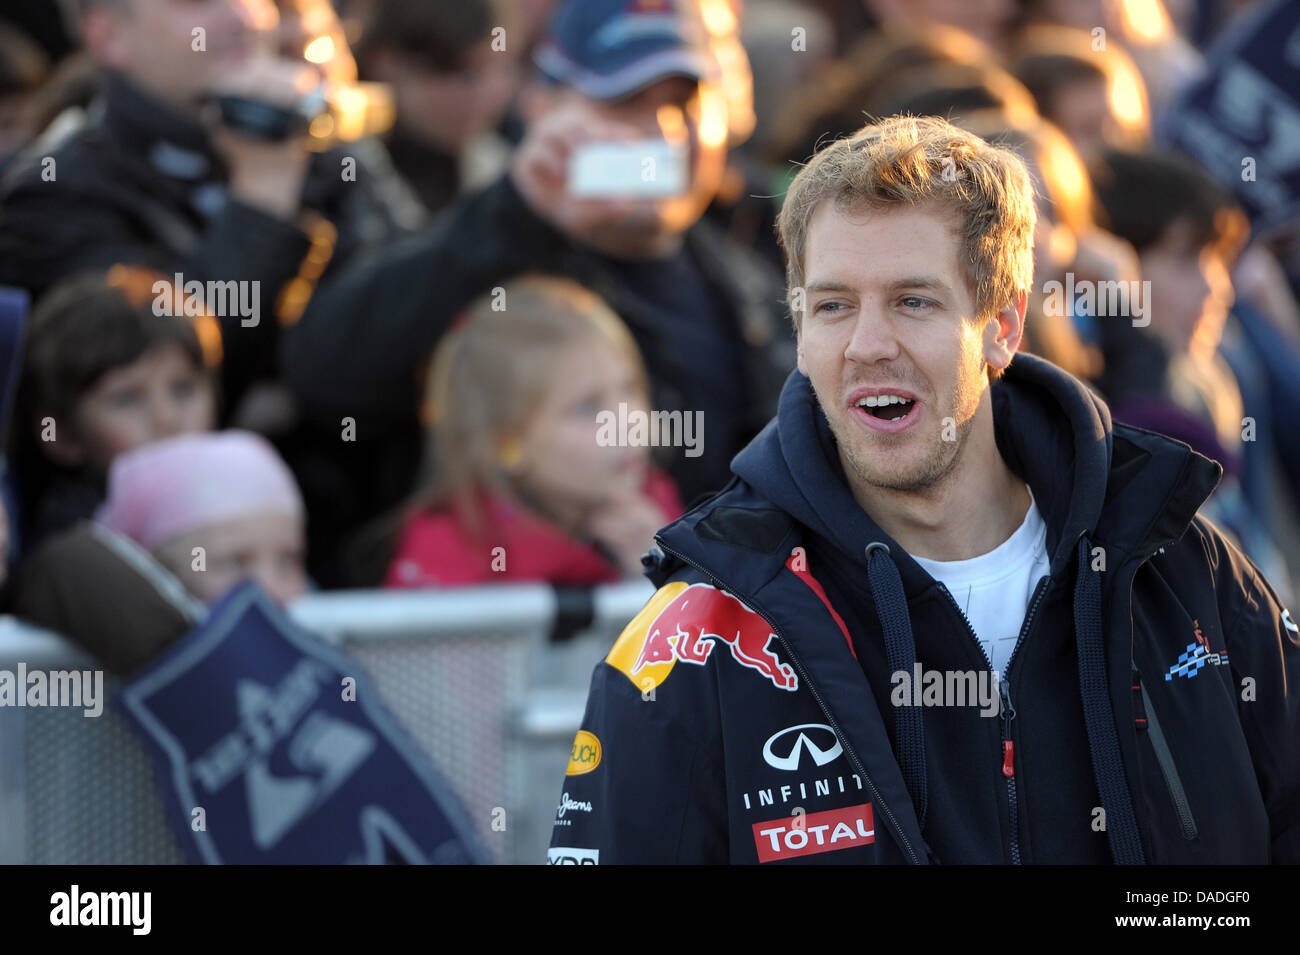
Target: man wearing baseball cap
<point>705,312</point>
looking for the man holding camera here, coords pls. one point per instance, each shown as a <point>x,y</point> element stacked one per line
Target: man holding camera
<point>191,161</point>
<point>626,135</point>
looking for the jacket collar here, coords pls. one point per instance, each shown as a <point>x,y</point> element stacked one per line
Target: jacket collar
<point>171,142</point>
<point>1132,490</point>
<point>743,544</point>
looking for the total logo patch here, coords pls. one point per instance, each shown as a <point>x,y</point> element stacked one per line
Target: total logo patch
<point>585,755</point>
<point>807,834</point>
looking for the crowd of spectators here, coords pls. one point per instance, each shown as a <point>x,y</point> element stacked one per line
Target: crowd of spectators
<point>404,323</point>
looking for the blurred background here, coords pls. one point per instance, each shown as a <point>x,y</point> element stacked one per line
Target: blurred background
<point>376,245</point>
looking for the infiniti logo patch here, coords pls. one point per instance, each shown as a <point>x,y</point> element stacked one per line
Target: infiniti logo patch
<point>785,749</point>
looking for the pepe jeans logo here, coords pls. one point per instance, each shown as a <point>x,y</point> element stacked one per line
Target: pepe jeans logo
<point>572,805</point>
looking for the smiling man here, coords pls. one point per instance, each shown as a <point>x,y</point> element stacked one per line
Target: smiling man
<point>901,367</point>
<point>930,513</point>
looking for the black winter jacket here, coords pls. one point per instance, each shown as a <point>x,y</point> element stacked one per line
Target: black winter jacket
<point>747,714</point>
<point>132,184</point>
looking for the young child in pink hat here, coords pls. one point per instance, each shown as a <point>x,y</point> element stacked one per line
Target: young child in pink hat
<point>214,509</point>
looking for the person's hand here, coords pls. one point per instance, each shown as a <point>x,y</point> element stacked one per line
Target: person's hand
<point>540,169</point>
<point>267,175</point>
<point>626,526</point>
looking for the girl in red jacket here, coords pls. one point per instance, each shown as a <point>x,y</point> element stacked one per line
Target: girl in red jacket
<point>521,484</point>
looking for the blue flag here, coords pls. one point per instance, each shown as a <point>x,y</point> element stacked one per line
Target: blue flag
<point>1241,121</point>
<point>14,303</point>
<point>272,747</point>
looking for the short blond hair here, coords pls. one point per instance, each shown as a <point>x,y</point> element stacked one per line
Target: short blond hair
<point>920,159</point>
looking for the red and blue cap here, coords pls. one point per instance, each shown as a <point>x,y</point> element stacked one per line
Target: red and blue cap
<point>609,49</point>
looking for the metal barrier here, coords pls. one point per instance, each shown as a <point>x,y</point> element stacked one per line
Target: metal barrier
<point>471,674</point>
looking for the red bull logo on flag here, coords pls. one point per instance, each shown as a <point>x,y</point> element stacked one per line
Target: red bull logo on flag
<point>684,623</point>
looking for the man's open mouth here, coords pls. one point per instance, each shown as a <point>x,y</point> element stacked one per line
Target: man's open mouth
<point>886,407</point>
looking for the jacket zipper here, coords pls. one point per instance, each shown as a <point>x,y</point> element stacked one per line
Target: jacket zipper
<point>1164,756</point>
<point>1168,768</point>
<point>1008,708</point>
<point>849,752</point>
<point>1009,769</point>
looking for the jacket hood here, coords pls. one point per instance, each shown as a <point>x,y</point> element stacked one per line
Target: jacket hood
<point>172,143</point>
<point>1051,430</point>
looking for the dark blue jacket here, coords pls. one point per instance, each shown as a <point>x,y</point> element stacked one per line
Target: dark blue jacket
<point>749,713</point>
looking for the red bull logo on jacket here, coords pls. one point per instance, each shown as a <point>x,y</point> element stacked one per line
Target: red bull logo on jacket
<point>683,624</point>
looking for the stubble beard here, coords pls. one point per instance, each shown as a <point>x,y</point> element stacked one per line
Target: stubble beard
<point>938,461</point>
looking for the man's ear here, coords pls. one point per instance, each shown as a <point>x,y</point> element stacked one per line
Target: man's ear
<point>1003,333</point>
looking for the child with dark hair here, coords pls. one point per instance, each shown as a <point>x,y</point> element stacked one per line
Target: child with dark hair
<point>1093,92</point>
<point>1170,374</point>
<point>103,374</point>
<point>1187,233</point>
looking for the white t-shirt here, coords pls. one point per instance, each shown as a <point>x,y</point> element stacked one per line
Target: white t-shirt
<point>993,589</point>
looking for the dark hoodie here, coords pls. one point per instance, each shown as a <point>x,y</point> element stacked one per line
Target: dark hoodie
<point>1146,716</point>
